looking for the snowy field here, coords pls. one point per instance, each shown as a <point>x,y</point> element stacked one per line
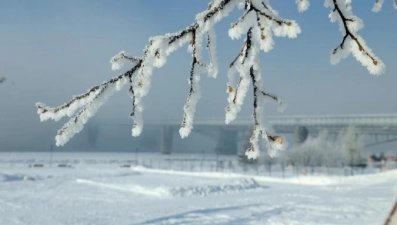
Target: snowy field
<point>103,193</point>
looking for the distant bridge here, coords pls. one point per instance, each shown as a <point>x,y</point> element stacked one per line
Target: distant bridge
<point>379,128</point>
<point>371,124</point>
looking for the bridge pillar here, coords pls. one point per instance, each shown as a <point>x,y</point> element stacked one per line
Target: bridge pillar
<point>167,136</point>
<point>244,141</point>
<point>301,134</point>
<point>227,142</point>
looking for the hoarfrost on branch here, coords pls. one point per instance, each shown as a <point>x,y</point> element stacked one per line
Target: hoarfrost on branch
<point>257,26</point>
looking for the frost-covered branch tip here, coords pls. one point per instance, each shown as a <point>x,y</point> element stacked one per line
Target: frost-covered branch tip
<point>378,5</point>
<point>274,143</point>
<point>303,5</point>
<point>352,42</point>
<point>87,104</point>
<point>119,60</point>
<point>194,91</point>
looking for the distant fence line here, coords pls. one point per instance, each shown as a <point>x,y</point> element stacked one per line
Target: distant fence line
<point>228,165</point>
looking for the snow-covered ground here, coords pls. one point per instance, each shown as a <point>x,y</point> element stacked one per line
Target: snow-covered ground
<point>104,193</point>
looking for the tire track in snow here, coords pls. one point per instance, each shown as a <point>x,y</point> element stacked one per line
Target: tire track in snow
<point>157,192</point>
<point>200,216</point>
<point>184,191</point>
<point>238,186</point>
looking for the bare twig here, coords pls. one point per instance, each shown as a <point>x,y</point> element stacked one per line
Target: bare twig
<point>392,215</point>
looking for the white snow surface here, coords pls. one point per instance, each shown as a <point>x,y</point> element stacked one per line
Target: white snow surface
<point>104,193</point>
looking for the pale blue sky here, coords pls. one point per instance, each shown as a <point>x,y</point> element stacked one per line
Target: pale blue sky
<point>51,50</point>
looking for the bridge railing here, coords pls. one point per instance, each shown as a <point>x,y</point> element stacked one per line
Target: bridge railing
<point>355,120</point>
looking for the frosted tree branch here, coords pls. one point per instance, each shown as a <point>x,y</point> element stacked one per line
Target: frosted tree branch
<point>139,77</point>
<point>259,22</point>
<point>303,5</point>
<point>258,25</point>
<point>378,5</point>
<point>118,61</point>
<point>88,103</point>
<point>351,41</point>
<point>275,143</point>
<point>194,92</point>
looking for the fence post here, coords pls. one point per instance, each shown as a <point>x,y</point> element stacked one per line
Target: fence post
<point>136,156</point>
<point>202,161</point>
<point>51,150</point>
<point>217,162</point>
<point>283,169</point>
